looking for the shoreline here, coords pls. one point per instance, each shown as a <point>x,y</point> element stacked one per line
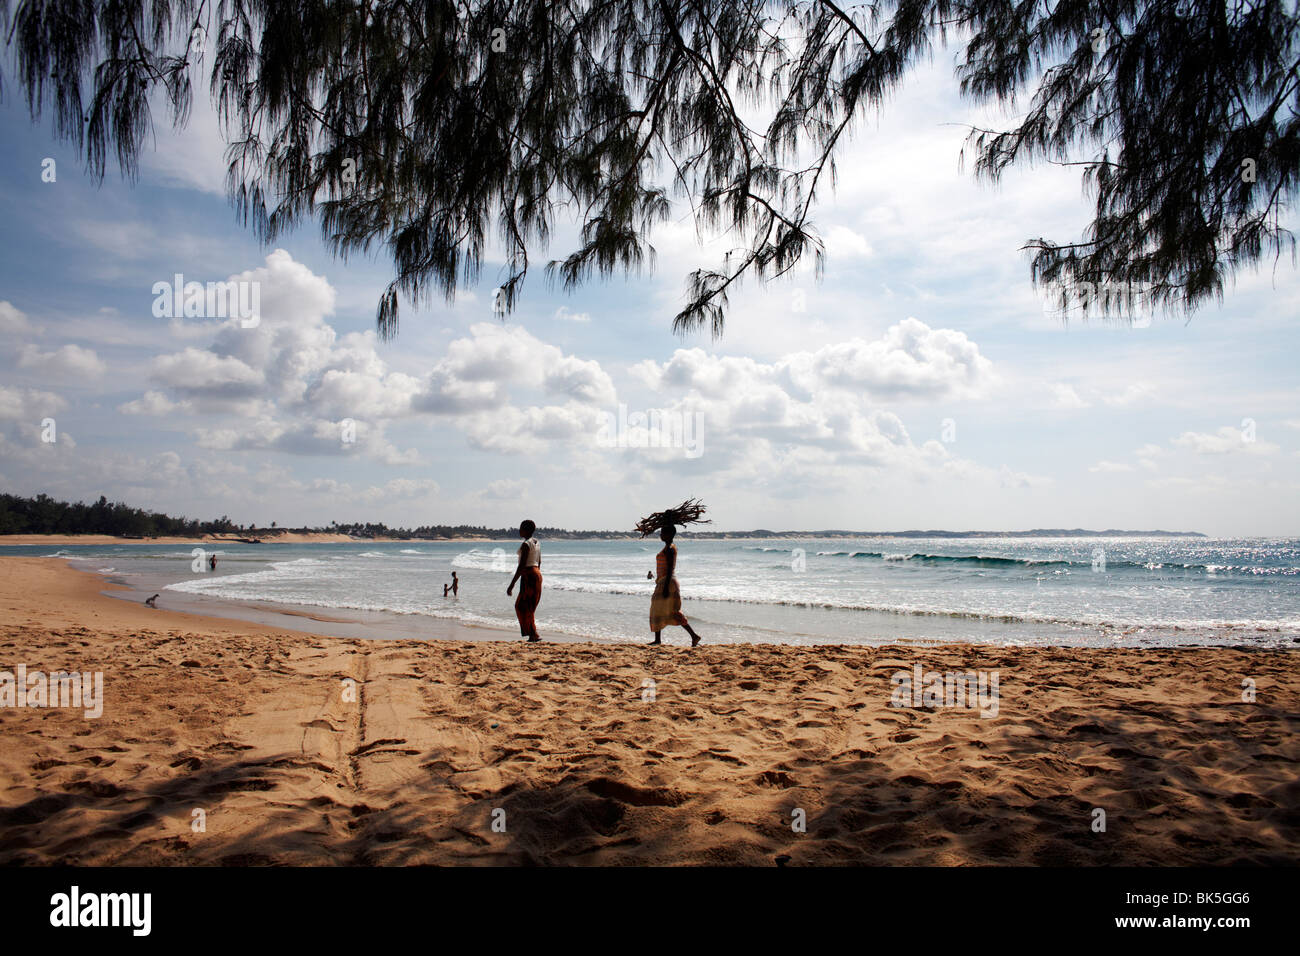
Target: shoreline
<point>265,616</point>
<point>872,626</point>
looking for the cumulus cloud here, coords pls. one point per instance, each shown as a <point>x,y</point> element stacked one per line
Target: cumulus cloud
<point>152,403</point>
<point>580,380</point>
<point>532,429</point>
<point>27,404</point>
<point>349,392</point>
<point>1222,442</point>
<point>67,361</point>
<point>307,437</point>
<point>292,379</point>
<point>816,416</point>
<point>911,360</point>
<point>478,371</point>
<point>204,374</point>
<point>293,385</point>
<point>842,242</point>
<point>12,320</point>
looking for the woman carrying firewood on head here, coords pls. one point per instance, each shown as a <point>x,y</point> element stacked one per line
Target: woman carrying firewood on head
<point>666,603</point>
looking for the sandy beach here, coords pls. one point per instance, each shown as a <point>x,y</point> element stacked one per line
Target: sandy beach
<point>291,748</point>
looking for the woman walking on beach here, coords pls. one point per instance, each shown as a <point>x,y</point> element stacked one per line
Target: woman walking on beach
<point>666,602</point>
<point>529,575</point>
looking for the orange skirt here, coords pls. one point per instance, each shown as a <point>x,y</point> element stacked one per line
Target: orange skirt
<point>530,593</point>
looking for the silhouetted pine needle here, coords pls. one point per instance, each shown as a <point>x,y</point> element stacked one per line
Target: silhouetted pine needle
<point>690,511</point>
<point>440,130</point>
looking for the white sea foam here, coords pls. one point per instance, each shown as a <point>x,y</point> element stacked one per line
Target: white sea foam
<point>999,590</point>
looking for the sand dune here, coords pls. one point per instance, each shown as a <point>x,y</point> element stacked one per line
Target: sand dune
<point>253,727</point>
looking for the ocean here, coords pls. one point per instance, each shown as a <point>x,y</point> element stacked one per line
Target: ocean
<point>1151,591</point>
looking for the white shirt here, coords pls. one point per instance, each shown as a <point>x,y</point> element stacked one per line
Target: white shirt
<point>531,552</point>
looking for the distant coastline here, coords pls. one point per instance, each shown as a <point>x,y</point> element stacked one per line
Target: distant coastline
<point>43,520</point>
<point>255,536</point>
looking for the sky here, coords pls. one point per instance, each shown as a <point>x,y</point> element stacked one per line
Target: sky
<point>920,383</point>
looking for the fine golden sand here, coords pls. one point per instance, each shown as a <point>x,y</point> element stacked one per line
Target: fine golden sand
<point>301,749</point>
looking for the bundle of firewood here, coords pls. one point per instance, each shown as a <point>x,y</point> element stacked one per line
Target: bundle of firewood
<point>690,511</point>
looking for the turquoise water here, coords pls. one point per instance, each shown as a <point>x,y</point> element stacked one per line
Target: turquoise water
<point>1064,591</point>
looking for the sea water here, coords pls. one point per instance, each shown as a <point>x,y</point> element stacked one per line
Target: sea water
<point>1153,591</point>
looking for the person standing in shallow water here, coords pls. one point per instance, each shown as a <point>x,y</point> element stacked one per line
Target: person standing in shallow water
<point>666,604</point>
<point>529,575</point>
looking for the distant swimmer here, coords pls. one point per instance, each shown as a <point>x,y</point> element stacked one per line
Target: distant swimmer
<point>445,589</point>
<point>455,584</point>
<point>152,602</point>
<point>212,562</point>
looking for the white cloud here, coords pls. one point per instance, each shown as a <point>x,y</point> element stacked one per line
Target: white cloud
<point>844,243</point>
<point>1222,442</point>
<point>533,429</point>
<point>505,489</point>
<point>911,360</point>
<point>26,404</point>
<point>579,380</point>
<point>12,320</point>
<point>306,437</point>
<point>200,373</point>
<point>1129,395</point>
<point>811,417</point>
<point>477,371</point>
<point>152,403</point>
<point>400,489</point>
<point>347,393</point>
<point>67,361</point>
<point>1064,396</point>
